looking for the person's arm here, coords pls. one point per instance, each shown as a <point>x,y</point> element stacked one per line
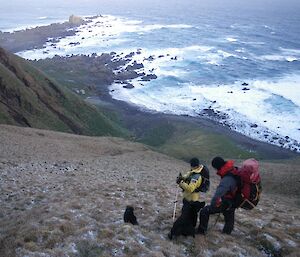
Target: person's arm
<point>195,183</point>
<point>227,184</point>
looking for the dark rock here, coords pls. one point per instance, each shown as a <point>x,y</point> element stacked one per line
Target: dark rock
<point>135,66</point>
<point>148,77</point>
<point>129,55</point>
<point>128,86</point>
<point>142,74</point>
<point>161,56</point>
<point>245,88</point>
<point>229,92</point>
<point>194,99</point>
<point>150,58</point>
<point>254,126</point>
<point>174,58</point>
<point>126,75</point>
<point>245,84</point>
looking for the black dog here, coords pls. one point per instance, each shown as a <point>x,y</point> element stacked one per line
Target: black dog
<point>186,222</point>
<point>129,216</point>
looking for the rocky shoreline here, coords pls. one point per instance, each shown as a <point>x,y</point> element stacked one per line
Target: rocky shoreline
<point>95,73</point>
<point>106,69</point>
<point>36,38</point>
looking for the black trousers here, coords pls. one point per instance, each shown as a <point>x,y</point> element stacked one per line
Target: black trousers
<point>194,208</point>
<point>228,216</point>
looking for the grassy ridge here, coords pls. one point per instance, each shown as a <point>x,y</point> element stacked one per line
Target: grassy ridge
<point>29,98</point>
<point>183,140</point>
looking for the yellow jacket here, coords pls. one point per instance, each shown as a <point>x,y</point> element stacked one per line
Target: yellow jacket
<point>191,181</point>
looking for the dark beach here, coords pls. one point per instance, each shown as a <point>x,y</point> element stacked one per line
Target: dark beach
<point>139,120</point>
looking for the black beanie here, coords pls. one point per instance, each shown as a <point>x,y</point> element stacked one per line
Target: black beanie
<point>218,162</point>
<point>194,162</point>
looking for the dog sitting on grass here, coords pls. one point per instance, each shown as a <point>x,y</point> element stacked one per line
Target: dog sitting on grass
<point>129,216</point>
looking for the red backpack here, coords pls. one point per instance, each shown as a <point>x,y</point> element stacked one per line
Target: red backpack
<point>250,183</point>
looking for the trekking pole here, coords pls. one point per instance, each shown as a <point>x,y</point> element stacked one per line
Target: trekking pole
<point>175,205</point>
<point>217,219</point>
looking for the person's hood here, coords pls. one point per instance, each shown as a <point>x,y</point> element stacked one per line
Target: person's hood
<point>197,170</point>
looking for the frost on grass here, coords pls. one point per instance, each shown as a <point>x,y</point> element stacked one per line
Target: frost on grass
<point>71,203</point>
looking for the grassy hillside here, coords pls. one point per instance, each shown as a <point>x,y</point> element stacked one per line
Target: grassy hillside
<point>65,195</point>
<point>183,140</point>
<point>29,98</point>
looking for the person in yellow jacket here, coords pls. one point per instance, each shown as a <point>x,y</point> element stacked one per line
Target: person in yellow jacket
<point>191,184</point>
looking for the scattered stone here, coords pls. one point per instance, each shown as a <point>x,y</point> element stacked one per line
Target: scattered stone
<point>245,84</point>
<point>129,55</point>
<point>148,77</point>
<point>245,89</point>
<point>128,86</point>
<point>150,58</point>
<point>254,126</point>
<point>74,43</point>
<point>135,66</point>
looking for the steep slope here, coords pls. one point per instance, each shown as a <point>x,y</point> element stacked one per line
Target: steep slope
<point>29,98</point>
<point>64,195</point>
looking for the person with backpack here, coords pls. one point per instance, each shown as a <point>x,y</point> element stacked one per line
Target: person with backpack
<point>225,199</point>
<point>191,183</point>
<point>237,188</point>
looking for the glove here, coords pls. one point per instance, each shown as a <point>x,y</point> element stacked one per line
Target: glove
<point>179,178</point>
<point>218,202</point>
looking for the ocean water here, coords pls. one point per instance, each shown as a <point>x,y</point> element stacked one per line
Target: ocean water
<point>241,60</point>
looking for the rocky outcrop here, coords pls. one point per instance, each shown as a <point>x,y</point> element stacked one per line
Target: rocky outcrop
<point>76,20</point>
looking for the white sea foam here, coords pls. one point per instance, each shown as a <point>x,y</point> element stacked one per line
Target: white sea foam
<point>102,32</point>
<point>281,58</point>
<point>242,107</point>
<point>289,55</point>
<point>30,26</point>
<point>290,51</point>
<point>231,39</point>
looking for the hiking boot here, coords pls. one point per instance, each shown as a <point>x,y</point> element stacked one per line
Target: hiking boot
<point>226,232</point>
<point>200,231</point>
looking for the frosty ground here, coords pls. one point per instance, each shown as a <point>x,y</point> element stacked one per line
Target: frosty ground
<point>64,195</point>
